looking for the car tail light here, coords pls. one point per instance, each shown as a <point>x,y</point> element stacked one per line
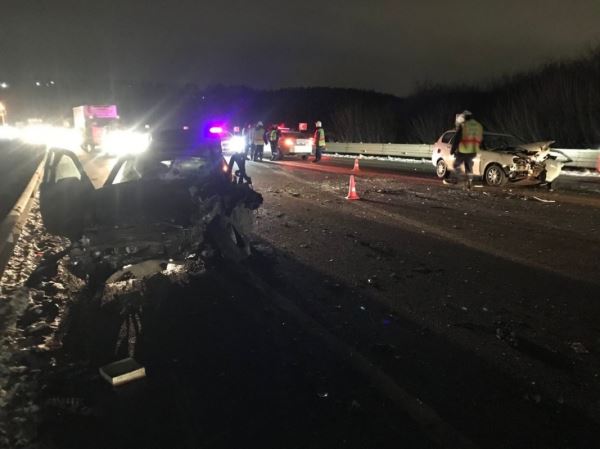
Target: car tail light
<point>289,142</point>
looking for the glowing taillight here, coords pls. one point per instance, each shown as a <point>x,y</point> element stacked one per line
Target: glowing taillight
<point>289,142</point>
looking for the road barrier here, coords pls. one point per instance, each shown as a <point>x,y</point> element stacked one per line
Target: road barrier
<point>584,158</point>
<point>12,225</point>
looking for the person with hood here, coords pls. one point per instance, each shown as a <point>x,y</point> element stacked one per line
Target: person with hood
<point>274,142</point>
<point>465,146</point>
<point>319,141</point>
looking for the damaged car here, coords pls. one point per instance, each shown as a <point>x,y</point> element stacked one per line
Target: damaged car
<point>503,158</point>
<point>174,202</point>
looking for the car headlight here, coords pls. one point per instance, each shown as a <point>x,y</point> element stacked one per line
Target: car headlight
<point>237,144</point>
<point>118,143</point>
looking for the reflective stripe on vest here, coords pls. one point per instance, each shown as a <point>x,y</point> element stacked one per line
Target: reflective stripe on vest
<point>273,135</point>
<point>259,136</point>
<point>472,135</point>
<point>319,137</point>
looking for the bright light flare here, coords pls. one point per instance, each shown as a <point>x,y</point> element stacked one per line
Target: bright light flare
<point>123,142</point>
<point>215,130</point>
<point>8,132</point>
<point>51,136</point>
<point>289,141</point>
<point>237,144</point>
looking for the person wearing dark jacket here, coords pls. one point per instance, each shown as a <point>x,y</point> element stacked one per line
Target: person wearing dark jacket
<point>274,142</point>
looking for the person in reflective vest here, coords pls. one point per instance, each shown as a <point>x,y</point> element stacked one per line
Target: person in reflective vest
<point>258,141</point>
<point>466,145</point>
<point>274,143</point>
<point>319,141</point>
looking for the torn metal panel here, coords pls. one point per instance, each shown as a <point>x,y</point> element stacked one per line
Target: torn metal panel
<point>168,205</point>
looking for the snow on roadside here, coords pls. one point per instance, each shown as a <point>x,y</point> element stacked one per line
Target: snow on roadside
<point>26,323</point>
<point>380,158</point>
<point>582,173</point>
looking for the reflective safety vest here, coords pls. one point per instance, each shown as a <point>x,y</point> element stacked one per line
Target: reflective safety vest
<point>273,135</point>
<point>319,137</point>
<point>259,136</point>
<point>472,136</point>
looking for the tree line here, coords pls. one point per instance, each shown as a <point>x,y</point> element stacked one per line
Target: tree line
<point>559,101</point>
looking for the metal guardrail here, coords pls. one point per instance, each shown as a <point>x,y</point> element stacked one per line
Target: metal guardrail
<point>585,158</point>
<point>12,225</point>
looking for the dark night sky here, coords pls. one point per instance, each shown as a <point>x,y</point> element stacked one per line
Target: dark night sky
<point>385,45</point>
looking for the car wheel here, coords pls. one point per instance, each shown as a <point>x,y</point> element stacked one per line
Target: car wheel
<point>441,169</point>
<point>494,175</point>
<point>229,234</point>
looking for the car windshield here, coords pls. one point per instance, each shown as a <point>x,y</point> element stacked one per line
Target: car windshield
<point>501,141</point>
<point>157,167</point>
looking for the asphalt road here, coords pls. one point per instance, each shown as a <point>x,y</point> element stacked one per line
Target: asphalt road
<point>420,316</point>
<point>17,165</point>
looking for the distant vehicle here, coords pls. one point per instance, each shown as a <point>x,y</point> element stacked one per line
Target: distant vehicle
<point>503,158</point>
<point>294,143</point>
<point>93,122</point>
<point>233,143</point>
<point>170,202</point>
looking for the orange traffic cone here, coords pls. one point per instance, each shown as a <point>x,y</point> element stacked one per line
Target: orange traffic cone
<point>356,167</point>
<point>352,195</point>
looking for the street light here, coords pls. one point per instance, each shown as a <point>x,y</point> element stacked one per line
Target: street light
<point>2,114</point>
<point>4,85</point>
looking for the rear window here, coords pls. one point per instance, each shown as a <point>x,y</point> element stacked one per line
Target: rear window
<point>297,135</point>
<point>447,138</point>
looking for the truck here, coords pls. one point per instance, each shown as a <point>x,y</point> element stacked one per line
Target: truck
<point>93,122</point>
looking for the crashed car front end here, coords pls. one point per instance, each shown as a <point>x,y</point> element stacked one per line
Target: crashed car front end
<point>531,162</point>
<point>171,204</point>
<point>219,224</point>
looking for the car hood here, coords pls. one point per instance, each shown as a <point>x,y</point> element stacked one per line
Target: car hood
<point>537,146</point>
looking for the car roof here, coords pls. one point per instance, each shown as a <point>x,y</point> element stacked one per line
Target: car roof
<point>181,144</point>
<point>487,133</point>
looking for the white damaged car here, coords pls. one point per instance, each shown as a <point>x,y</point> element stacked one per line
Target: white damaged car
<point>503,158</point>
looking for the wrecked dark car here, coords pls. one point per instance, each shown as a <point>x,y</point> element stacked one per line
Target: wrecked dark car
<point>174,202</point>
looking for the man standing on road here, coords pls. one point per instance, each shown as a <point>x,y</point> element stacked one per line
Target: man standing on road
<point>319,141</point>
<point>259,141</point>
<point>274,142</point>
<point>239,159</point>
<point>466,144</point>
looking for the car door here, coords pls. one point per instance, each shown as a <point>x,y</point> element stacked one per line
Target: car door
<point>66,193</point>
<point>445,145</point>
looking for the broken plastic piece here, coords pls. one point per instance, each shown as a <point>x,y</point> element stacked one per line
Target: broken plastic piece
<point>122,371</point>
<point>541,200</point>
